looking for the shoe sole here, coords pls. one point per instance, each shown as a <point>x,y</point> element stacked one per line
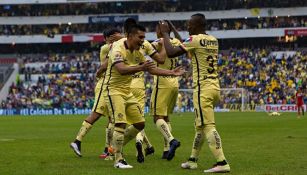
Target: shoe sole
<point>140,156</point>
<point>75,151</point>
<point>172,151</point>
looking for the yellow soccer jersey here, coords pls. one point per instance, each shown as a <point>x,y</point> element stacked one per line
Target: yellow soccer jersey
<point>169,64</point>
<point>204,51</point>
<point>115,83</point>
<point>104,50</point>
<point>138,79</point>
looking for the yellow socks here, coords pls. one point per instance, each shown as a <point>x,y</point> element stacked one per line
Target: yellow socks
<point>118,143</point>
<point>215,142</point>
<point>164,129</point>
<point>109,134</point>
<point>83,130</point>
<point>130,133</point>
<point>198,142</point>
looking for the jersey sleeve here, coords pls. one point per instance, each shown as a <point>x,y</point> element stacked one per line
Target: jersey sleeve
<point>189,44</point>
<point>104,50</point>
<point>149,49</point>
<point>176,42</point>
<point>116,55</point>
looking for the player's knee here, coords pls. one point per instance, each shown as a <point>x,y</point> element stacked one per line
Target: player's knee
<point>156,117</point>
<point>120,125</point>
<point>93,117</point>
<point>139,126</point>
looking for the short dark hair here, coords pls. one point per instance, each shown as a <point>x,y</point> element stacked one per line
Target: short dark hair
<point>201,19</point>
<point>135,28</point>
<point>128,23</point>
<point>110,31</point>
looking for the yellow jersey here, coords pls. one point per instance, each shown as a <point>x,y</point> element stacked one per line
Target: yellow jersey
<point>116,83</point>
<point>138,80</point>
<point>169,64</point>
<point>104,51</point>
<point>203,49</point>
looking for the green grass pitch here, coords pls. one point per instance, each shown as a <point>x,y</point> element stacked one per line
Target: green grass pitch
<point>254,144</point>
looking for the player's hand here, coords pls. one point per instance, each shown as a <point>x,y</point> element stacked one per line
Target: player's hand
<point>164,28</point>
<point>148,65</point>
<point>160,42</point>
<point>115,37</point>
<point>178,71</point>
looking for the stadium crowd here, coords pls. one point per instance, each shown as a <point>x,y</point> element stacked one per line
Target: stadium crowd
<point>140,7</point>
<point>213,25</point>
<point>268,79</point>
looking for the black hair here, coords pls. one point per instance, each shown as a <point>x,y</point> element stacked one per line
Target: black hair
<point>110,31</point>
<point>201,19</point>
<point>135,28</point>
<point>128,23</point>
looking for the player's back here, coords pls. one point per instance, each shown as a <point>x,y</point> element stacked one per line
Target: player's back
<point>204,54</point>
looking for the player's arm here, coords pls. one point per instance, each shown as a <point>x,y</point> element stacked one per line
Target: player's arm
<point>170,50</point>
<point>159,57</point>
<point>123,69</point>
<point>178,71</point>
<point>174,30</point>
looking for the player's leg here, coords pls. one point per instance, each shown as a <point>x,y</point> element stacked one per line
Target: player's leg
<point>159,110</point>
<point>141,137</point>
<point>84,129</point>
<point>298,110</point>
<point>116,106</point>
<point>87,124</point>
<point>208,99</point>
<point>136,118</point>
<point>108,149</point>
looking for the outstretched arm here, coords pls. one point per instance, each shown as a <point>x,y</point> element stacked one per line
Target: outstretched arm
<point>178,71</point>
<point>126,70</point>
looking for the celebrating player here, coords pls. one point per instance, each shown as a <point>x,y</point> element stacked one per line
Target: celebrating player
<point>163,98</point>
<point>99,108</point>
<point>126,60</point>
<point>204,51</point>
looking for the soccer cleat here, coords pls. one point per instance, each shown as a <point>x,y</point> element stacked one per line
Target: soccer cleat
<point>164,155</point>
<point>76,148</point>
<point>104,155</point>
<point>122,164</point>
<point>190,164</point>
<point>174,144</point>
<point>218,169</point>
<point>149,150</point>
<point>140,155</point>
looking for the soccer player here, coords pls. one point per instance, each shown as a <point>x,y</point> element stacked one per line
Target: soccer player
<point>126,60</point>
<point>163,98</point>
<point>138,90</point>
<point>204,51</point>
<point>299,102</point>
<point>99,108</point>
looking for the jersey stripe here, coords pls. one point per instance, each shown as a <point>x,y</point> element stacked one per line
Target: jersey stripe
<point>156,94</point>
<point>198,93</point>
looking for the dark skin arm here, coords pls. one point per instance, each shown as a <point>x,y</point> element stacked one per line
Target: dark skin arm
<point>170,50</point>
<point>173,29</point>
